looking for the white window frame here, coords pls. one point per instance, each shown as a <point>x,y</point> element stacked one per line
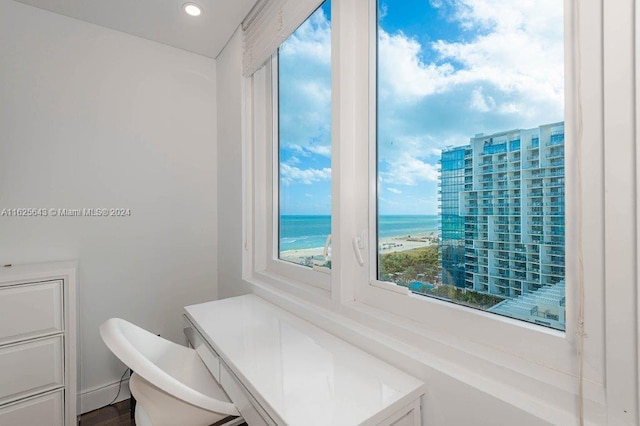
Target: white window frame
<point>545,359</point>
<point>267,264</point>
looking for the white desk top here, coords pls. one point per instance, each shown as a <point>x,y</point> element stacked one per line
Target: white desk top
<point>301,374</point>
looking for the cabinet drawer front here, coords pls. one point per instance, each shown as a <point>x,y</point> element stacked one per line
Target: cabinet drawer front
<point>42,410</point>
<point>31,367</point>
<point>30,310</point>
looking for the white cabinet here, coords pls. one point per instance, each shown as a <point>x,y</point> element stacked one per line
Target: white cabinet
<point>38,345</point>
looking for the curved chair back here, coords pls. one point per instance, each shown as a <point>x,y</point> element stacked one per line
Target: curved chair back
<point>174,369</point>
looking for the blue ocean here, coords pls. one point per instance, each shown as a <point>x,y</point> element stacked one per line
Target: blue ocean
<point>304,232</point>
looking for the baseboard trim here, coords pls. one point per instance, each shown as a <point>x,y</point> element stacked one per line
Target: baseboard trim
<point>99,397</point>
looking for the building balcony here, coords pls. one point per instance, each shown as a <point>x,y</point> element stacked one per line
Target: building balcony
<point>519,267</point>
<point>556,194</point>
<point>555,221</point>
<point>556,139</point>
<point>553,273</point>
<point>556,252</point>
<point>552,184</point>
<point>554,155</point>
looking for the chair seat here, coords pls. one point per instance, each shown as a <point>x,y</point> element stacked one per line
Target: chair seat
<point>171,384</point>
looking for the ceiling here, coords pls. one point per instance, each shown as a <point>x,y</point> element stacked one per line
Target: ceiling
<point>163,21</point>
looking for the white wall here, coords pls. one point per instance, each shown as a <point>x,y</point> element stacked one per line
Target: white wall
<point>230,164</point>
<point>90,117</point>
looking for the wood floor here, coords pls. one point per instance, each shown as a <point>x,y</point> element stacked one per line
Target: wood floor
<point>118,414</point>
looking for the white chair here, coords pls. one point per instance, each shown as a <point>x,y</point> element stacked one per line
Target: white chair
<point>170,383</point>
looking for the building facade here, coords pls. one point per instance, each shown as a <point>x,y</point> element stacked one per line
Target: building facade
<point>452,184</point>
<point>502,210</point>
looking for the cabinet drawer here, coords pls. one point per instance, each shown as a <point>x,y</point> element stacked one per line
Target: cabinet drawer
<point>42,410</point>
<point>30,310</point>
<point>31,367</point>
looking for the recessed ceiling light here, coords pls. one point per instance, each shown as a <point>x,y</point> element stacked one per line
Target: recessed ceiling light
<point>192,9</point>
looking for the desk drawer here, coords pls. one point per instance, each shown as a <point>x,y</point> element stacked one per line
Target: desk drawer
<point>208,356</point>
<point>42,410</point>
<point>30,310</point>
<point>244,402</point>
<point>31,367</point>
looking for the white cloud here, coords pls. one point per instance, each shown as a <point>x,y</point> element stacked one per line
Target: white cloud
<point>383,9</point>
<point>324,150</point>
<point>517,51</point>
<point>309,150</point>
<point>407,169</point>
<point>403,74</point>
<point>481,103</point>
<point>312,39</point>
<point>394,190</point>
<point>317,91</point>
<point>291,174</point>
<point>305,88</point>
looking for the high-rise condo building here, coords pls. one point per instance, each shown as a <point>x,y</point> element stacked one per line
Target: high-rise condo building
<point>502,219</point>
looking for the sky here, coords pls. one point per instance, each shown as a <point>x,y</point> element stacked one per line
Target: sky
<point>447,70</point>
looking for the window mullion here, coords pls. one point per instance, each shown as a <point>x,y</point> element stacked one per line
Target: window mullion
<point>350,151</point>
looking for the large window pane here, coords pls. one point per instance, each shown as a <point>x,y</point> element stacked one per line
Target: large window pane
<point>304,145</point>
<point>471,153</point>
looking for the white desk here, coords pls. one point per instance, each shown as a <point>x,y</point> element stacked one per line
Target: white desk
<point>281,370</point>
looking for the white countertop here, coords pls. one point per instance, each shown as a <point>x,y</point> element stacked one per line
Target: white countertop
<point>302,374</point>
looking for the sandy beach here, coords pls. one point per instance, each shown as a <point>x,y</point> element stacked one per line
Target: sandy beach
<point>386,245</point>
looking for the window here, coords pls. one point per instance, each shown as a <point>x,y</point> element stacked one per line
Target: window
<point>304,142</point>
<point>440,145</point>
<point>470,149</point>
